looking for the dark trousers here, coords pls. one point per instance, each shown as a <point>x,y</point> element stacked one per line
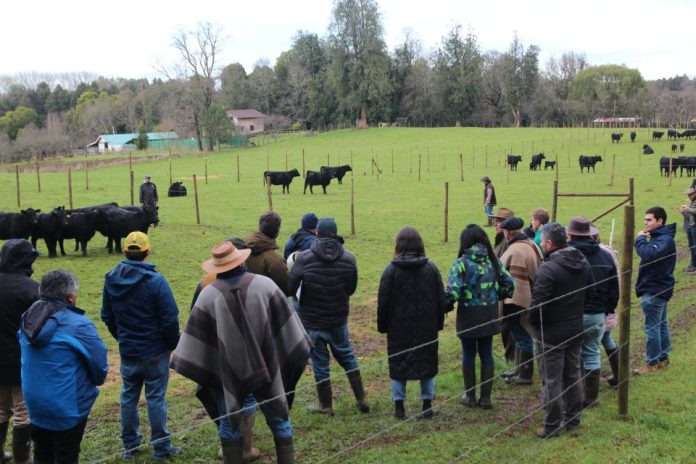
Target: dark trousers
<point>560,367</point>
<point>691,236</point>
<point>57,446</point>
<point>481,345</point>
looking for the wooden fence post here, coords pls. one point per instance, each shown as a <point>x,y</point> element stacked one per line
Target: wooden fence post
<point>131,188</point>
<point>613,167</point>
<point>461,167</point>
<point>625,307</point>
<point>269,194</point>
<point>130,161</point>
<point>17,176</point>
<point>86,173</point>
<point>70,202</point>
<point>670,171</point>
<point>446,211</point>
<point>170,167</point>
<point>38,176</point>
<point>195,199</point>
<point>352,207</point>
<point>554,208</point>
<point>206,168</point>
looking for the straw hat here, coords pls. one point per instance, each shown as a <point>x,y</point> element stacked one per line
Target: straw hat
<point>225,258</point>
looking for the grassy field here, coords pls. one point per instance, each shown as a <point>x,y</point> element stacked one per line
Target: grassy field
<point>658,425</point>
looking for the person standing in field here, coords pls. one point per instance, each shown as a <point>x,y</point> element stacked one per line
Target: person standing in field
<point>477,281</point>
<point>149,198</point>
<point>689,213</point>
<point>410,310</point>
<point>489,199</point>
<point>303,238</point>
<point>265,258</point>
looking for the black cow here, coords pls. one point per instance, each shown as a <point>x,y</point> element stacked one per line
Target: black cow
<point>688,133</point>
<point>674,148</point>
<point>123,221</point>
<point>101,223</point>
<point>176,190</point>
<point>647,149</point>
<point>49,226</point>
<point>512,161</point>
<point>657,135</point>
<point>664,166</point>
<point>549,164</point>
<point>18,225</point>
<point>313,178</point>
<point>633,136</point>
<point>672,134</point>
<point>589,162</point>
<point>81,225</point>
<point>681,148</point>
<point>536,161</point>
<point>283,178</point>
<point>688,164</point>
<point>616,137</point>
<point>336,171</point>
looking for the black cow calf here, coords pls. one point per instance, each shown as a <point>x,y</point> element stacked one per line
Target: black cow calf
<point>313,178</point>
<point>588,162</point>
<point>657,135</point>
<point>18,225</point>
<point>176,190</point>
<point>549,164</point>
<point>283,178</point>
<point>674,148</point>
<point>49,226</point>
<point>647,149</point>
<point>681,148</point>
<point>616,137</point>
<point>633,136</point>
<point>512,161</point>
<point>336,171</point>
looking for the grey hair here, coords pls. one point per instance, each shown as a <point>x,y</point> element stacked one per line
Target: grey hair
<point>59,284</point>
<point>555,233</point>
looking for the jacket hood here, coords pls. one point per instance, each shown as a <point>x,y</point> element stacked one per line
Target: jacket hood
<point>585,246</point>
<point>126,275</point>
<point>17,256</point>
<point>477,253</point>
<point>38,324</point>
<point>569,258</point>
<point>259,242</point>
<point>327,249</point>
<point>409,261</point>
<point>669,229</point>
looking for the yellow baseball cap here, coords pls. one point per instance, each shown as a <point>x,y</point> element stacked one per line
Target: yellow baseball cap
<point>136,241</point>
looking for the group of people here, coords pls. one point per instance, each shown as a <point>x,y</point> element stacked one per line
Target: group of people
<point>258,316</point>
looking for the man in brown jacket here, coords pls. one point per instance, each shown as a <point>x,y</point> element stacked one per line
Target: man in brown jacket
<point>265,258</point>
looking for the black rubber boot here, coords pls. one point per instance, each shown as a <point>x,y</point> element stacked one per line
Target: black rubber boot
<point>21,445</point>
<point>4,457</point>
<point>285,451</point>
<point>613,356</point>
<point>508,374</point>
<point>469,396</point>
<point>427,409</point>
<point>325,396</point>
<point>399,411</point>
<point>231,450</point>
<point>357,386</point>
<point>591,387</point>
<point>486,387</point>
<point>526,372</point>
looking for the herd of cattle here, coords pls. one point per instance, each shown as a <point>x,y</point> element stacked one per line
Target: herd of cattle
<point>312,178</point>
<point>534,165</point>
<point>672,134</point>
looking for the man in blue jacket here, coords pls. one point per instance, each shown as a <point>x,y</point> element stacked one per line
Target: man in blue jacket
<point>63,361</point>
<point>139,309</point>
<point>658,257</point>
<point>304,237</point>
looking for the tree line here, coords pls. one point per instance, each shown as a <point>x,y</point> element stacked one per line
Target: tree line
<point>347,78</point>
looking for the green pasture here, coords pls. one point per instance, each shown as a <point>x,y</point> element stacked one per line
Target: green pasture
<point>660,422</point>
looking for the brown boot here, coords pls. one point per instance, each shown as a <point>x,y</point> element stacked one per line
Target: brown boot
<point>4,457</point>
<point>356,385</point>
<point>285,451</point>
<point>325,396</point>
<point>247,430</point>
<point>231,450</point>
<point>21,445</point>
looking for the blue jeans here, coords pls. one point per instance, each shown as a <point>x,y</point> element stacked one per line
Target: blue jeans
<point>154,374</point>
<point>338,340</point>
<point>691,236</point>
<point>229,429</point>
<point>522,338</point>
<point>488,209</point>
<point>481,345</point>
<point>608,341</point>
<point>398,388</point>
<point>658,344</point>
<point>593,324</point>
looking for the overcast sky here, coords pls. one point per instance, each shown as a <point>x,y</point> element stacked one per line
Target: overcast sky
<point>124,38</point>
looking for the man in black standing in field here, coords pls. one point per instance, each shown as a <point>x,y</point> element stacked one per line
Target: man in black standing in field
<point>149,197</point>
<point>489,200</point>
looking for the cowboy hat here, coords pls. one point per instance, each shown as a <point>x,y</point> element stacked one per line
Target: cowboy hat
<point>225,258</point>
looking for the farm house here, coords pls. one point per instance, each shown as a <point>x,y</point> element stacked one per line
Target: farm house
<point>247,121</point>
<point>121,142</point>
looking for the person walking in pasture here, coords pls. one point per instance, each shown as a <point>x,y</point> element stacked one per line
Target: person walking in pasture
<point>303,238</point>
<point>265,258</point>
<point>410,310</point>
<point>63,362</point>
<point>562,288</point>
<point>489,199</point>
<point>689,213</point>
<point>477,281</point>
<point>602,300</point>
<point>243,340</point>
<point>326,276</point>
<point>149,198</point>
<point>18,291</point>
<point>139,310</point>
<point>655,284</point>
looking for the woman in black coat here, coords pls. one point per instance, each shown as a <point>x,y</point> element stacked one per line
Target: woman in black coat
<point>410,311</point>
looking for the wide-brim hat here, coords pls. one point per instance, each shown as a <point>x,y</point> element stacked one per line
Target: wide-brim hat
<point>581,227</point>
<point>225,258</point>
<point>503,213</point>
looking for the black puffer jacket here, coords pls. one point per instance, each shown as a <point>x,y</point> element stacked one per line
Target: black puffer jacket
<point>329,276</point>
<point>410,310</point>
<point>17,293</point>
<point>564,281</point>
<point>606,295</point>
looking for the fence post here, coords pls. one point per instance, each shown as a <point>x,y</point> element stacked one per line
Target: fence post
<point>303,162</point>
<point>70,202</point>
<point>130,161</point>
<point>269,193</point>
<point>206,168</point>
<point>461,167</point>
<point>86,173</point>
<point>352,207</point>
<point>38,176</point>
<point>613,167</point>
<point>17,173</point>
<point>170,166</point>
<point>670,171</point>
<point>625,307</point>
<point>554,209</point>
<point>446,211</point>
<point>419,166</point>
<point>131,188</point>
<point>195,199</point>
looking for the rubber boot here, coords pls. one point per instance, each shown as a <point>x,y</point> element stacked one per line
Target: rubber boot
<point>231,450</point>
<point>508,374</point>
<point>399,411</point>
<point>613,356</point>
<point>427,411</point>
<point>246,428</point>
<point>4,457</point>
<point>325,396</point>
<point>526,372</point>
<point>591,387</point>
<point>21,445</point>
<point>486,387</point>
<point>285,451</point>
<point>357,386</point>
<point>469,396</point>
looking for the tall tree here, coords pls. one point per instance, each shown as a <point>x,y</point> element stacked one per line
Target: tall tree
<point>15,120</point>
<point>262,88</point>
<point>521,68</point>
<point>607,88</point>
<point>234,87</point>
<point>403,64</point>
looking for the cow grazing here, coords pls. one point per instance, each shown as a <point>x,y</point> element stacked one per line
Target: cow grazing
<point>123,221</point>
<point>176,190</point>
<point>283,178</point>
<point>336,171</point>
<point>512,161</point>
<point>616,137</point>
<point>536,161</point>
<point>549,164</point>
<point>657,135</point>
<point>49,227</point>
<point>674,148</point>
<point>647,149</point>
<point>672,134</point>
<point>633,136</point>
<point>681,148</point>
<point>589,162</point>
<point>313,178</point>
<point>18,225</point>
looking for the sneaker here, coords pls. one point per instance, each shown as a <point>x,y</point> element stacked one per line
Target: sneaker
<point>662,363</point>
<point>646,369</point>
<point>173,451</point>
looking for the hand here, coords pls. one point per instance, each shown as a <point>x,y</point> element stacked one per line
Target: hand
<point>682,208</point>
<point>644,232</point>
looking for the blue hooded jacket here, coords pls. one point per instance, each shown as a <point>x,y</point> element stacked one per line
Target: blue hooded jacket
<point>63,361</point>
<point>139,309</point>
<point>658,257</point>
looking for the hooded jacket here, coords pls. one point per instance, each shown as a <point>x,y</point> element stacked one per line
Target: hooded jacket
<point>265,260</point>
<point>17,293</point>
<point>328,275</point>
<point>63,361</point>
<point>299,241</point>
<point>561,290</point>
<point>139,309</point>
<point>606,295</point>
<point>658,257</point>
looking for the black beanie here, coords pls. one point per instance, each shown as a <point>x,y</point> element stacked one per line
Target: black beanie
<point>269,224</point>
